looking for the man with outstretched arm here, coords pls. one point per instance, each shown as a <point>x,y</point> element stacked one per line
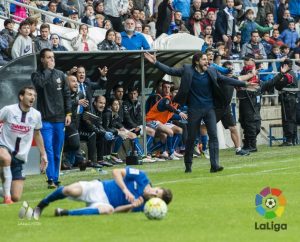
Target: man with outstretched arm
<point>200,91</point>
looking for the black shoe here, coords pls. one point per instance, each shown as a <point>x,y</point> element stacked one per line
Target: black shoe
<point>51,184</point>
<point>242,152</point>
<point>106,163</point>
<point>57,183</point>
<point>214,170</point>
<point>188,168</point>
<point>61,212</point>
<point>252,149</point>
<point>94,165</point>
<point>65,166</point>
<point>82,165</point>
<point>285,144</point>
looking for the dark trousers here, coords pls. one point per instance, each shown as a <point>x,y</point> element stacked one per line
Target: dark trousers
<point>250,119</point>
<point>194,121</point>
<point>288,114</point>
<point>90,138</point>
<point>116,23</point>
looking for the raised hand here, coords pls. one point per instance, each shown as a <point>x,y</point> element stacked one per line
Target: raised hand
<point>150,58</point>
<point>103,71</point>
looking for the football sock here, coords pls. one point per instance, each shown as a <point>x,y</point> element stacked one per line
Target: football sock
<point>118,144</point>
<point>155,147</point>
<point>170,144</point>
<point>238,149</point>
<point>7,180</point>
<point>204,139</point>
<point>176,139</point>
<point>83,211</point>
<point>149,142</point>
<point>56,195</point>
<point>138,147</point>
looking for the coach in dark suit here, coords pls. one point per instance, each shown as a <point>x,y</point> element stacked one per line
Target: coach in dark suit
<point>199,89</point>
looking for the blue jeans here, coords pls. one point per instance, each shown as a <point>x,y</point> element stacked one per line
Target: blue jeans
<point>53,135</point>
<point>194,121</point>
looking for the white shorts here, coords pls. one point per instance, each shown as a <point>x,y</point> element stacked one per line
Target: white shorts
<point>170,125</point>
<point>153,124</point>
<point>92,193</point>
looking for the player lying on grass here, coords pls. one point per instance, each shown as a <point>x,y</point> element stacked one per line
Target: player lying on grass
<point>127,192</point>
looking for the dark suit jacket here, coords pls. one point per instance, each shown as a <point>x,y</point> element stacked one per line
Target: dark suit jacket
<point>221,26</point>
<point>186,73</point>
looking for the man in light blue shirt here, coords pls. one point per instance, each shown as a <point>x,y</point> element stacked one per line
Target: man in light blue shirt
<point>131,39</point>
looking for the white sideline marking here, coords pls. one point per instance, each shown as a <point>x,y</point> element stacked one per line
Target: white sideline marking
<point>230,175</point>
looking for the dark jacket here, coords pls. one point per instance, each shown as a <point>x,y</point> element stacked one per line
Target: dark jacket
<point>221,26</point>
<point>132,111</point>
<point>110,123</point>
<point>53,94</point>
<point>164,18</point>
<point>90,124</point>
<point>287,80</point>
<point>186,73</point>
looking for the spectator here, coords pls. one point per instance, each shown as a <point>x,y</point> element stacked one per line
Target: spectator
<point>33,22</point>
<point>43,41</point>
<point>83,42</point>
<point>8,32</point>
<point>52,7</point>
<point>184,7</point>
<point>180,23</point>
<point>250,25</point>
<point>100,20</point>
<point>107,24</point>
<point>20,13</point>
<point>99,7</point>
<point>290,36</point>
<point>284,24</point>
<point>132,40</point>
<point>275,38</point>
<point>265,42</point>
<point>114,10</point>
<point>3,50</point>
<point>51,84</point>
<point>89,17</point>
<point>135,14</point>
<point>58,21</point>
<point>197,6</point>
<point>56,45</point>
<point>269,21</point>
<point>73,14</point>
<point>225,25</point>
<point>254,48</point>
<point>23,43</point>
<point>261,12</point>
<point>119,41</point>
<point>77,5</point>
<point>294,7</point>
<point>236,46</point>
<point>143,17</point>
<point>210,18</point>
<point>142,5</point>
<point>109,42</point>
<point>139,29</point>
<point>195,25</point>
<point>285,51</point>
<point>164,18</point>
<point>208,43</point>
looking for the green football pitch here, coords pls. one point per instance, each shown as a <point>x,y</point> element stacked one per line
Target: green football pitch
<point>206,207</point>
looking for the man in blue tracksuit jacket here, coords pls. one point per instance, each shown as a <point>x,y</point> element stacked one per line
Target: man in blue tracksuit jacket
<point>54,103</point>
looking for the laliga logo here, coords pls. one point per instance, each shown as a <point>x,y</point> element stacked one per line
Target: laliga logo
<point>270,203</point>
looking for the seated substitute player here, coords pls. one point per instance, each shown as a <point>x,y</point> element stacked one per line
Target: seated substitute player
<point>127,192</point>
<point>21,123</point>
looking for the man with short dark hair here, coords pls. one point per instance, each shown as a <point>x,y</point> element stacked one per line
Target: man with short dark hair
<point>43,41</point>
<point>54,103</point>
<point>199,89</point>
<point>254,48</point>
<point>21,123</point>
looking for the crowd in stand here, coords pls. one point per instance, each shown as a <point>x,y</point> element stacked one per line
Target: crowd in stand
<point>230,30</point>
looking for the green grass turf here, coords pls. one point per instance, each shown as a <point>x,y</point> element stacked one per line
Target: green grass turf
<point>206,207</point>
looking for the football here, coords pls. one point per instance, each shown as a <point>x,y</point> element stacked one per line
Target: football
<point>270,203</point>
<point>155,208</point>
